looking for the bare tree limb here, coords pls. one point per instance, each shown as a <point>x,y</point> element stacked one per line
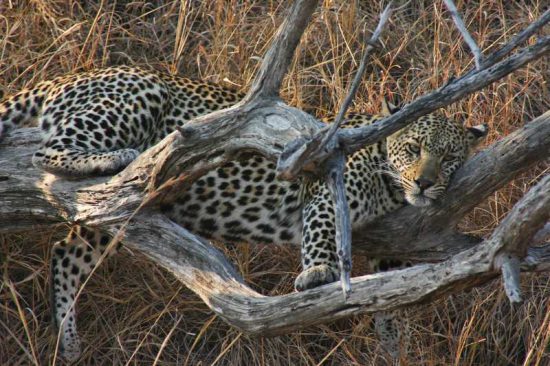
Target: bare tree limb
<point>296,155</point>
<point>355,139</point>
<point>30,198</point>
<point>263,124</point>
<point>516,232</point>
<point>276,61</point>
<point>203,269</point>
<point>478,57</point>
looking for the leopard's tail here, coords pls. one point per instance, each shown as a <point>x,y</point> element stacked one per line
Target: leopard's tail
<point>23,108</point>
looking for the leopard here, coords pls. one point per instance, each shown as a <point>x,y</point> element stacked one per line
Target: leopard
<point>97,122</point>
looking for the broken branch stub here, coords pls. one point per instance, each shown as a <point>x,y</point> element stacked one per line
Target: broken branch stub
<point>516,233</point>
<point>510,267</point>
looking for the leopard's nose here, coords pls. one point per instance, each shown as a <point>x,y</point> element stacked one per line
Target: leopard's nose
<point>424,183</point>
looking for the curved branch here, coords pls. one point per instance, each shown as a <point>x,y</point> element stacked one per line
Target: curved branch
<point>265,125</point>
<point>29,197</point>
<point>203,269</point>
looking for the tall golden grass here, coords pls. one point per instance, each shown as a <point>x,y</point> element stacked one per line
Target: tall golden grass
<point>134,313</point>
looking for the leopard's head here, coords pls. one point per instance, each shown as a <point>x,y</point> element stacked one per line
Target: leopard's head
<point>426,153</point>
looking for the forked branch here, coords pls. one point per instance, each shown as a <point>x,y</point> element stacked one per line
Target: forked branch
<point>264,125</point>
<point>334,169</point>
<point>204,270</point>
<point>298,159</point>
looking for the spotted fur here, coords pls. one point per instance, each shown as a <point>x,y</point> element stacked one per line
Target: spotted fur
<point>98,122</point>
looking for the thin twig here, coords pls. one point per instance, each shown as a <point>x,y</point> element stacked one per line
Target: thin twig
<point>478,57</point>
<point>371,43</point>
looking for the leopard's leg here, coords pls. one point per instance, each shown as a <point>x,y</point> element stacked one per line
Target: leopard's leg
<point>74,162</point>
<point>73,258</point>
<point>392,327</point>
<point>319,260</point>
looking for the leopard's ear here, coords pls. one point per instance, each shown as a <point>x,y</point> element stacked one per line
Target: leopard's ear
<point>476,134</point>
<point>387,107</point>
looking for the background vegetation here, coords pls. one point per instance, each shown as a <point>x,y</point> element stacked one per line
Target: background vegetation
<point>133,312</point>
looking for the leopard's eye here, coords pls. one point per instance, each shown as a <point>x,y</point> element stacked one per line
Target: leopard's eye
<point>414,149</point>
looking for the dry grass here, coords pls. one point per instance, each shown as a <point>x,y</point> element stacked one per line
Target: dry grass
<point>132,312</point>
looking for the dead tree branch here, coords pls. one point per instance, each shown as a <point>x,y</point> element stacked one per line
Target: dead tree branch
<point>265,125</point>
<point>202,268</point>
<point>296,160</point>
<point>206,272</point>
<point>279,56</point>
<point>517,40</point>
<point>516,232</point>
<point>334,169</point>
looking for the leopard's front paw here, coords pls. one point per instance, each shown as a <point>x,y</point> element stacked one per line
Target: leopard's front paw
<point>316,276</point>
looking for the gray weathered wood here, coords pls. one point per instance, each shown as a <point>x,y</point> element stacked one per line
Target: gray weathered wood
<point>299,160</point>
<point>203,269</point>
<point>519,38</point>
<point>510,267</point>
<point>263,124</point>
<point>29,197</point>
<point>279,56</point>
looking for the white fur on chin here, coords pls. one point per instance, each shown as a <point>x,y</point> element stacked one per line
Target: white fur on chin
<point>418,200</point>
